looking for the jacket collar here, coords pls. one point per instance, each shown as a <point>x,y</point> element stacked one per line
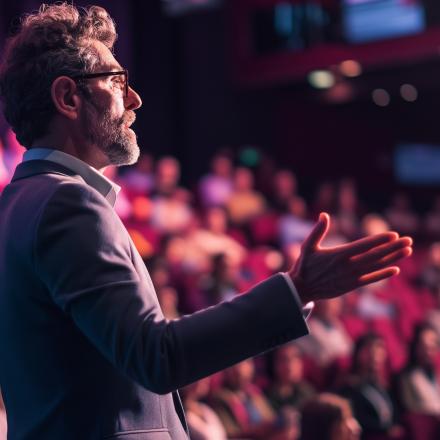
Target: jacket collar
<point>46,161</point>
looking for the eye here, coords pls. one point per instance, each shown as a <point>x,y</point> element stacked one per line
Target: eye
<point>118,81</point>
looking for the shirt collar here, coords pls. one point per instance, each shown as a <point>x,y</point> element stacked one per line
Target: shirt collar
<point>90,175</point>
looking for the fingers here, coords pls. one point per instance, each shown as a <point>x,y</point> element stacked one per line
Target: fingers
<point>367,243</point>
<point>318,233</point>
<point>380,252</point>
<point>379,275</point>
<point>387,261</point>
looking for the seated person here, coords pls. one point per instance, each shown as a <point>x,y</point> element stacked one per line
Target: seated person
<point>288,388</point>
<point>328,417</point>
<point>367,388</point>
<point>242,406</point>
<point>328,340</point>
<point>245,203</point>
<point>420,382</point>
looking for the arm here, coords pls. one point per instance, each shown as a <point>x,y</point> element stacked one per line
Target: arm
<point>82,255</point>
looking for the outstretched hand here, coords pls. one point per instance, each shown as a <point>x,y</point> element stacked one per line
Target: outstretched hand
<point>323,273</point>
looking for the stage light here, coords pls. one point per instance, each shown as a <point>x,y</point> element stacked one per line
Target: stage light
<point>409,93</point>
<point>350,68</point>
<point>321,79</point>
<point>381,97</point>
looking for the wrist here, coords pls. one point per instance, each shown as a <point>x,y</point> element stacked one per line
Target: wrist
<point>300,287</point>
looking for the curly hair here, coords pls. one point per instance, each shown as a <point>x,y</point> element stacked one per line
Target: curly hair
<point>52,42</point>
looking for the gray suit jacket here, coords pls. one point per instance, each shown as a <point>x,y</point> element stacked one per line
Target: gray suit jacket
<point>85,350</point>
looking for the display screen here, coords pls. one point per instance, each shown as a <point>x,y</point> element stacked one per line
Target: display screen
<point>371,20</point>
<point>292,27</point>
<point>417,164</point>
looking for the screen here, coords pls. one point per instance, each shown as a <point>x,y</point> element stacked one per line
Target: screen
<point>417,164</point>
<point>370,20</point>
<point>290,27</point>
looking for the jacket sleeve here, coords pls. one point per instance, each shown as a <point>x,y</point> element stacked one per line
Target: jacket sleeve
<point>82,254</point>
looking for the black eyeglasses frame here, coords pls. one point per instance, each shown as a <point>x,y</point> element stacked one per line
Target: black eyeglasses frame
<point>100,74</point>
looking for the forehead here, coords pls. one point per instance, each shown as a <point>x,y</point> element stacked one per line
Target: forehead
<point>108,61</point>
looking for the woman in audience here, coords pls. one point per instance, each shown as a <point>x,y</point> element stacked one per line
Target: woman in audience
<point>367,388</point>
<point>329,417</point>
<point>420,382</point>
<point>287,389</point>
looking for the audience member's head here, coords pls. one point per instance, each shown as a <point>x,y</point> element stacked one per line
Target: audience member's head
<point>196,390</point>
<point>285,184</point>
<point>328,417</point>
<point>243,180</point>
<point>167,174</point>
<point>216,220</point>
<point>239,375</point>
<point>374,224</point>
<point>297,207</point>
<point>329,310</point>
<point>222,165</point>
<point>424,348</point>
<point>325,197</point>
<point>347,195</point>
<point>370,356</point>
<point>285,365</point>
<point>168,300</point>
<point>434,254</point>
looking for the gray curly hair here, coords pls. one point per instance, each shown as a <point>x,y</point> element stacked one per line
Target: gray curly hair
<point>52,42</point>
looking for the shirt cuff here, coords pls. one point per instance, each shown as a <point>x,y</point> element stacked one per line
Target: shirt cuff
<point>307,309</point>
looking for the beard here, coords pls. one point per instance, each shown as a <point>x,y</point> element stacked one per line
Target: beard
<point>111,134</point>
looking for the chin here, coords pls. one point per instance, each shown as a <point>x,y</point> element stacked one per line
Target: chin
<point>123,154</point>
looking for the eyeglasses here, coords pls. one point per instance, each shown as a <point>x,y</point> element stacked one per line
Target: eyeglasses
<point>99,74</point>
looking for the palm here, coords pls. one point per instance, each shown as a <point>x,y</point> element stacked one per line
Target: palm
<point>322,273</point>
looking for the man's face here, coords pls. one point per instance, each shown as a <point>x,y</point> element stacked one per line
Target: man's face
<point>108,113</point>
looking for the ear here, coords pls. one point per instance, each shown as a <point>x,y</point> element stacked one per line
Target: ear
<point>65,97</point>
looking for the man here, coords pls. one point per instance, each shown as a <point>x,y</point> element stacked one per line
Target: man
<point>85,350</point>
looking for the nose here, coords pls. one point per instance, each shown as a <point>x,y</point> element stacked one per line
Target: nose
<point>133,101</point>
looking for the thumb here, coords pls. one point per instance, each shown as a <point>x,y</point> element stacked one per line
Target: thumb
<point>318,233</point>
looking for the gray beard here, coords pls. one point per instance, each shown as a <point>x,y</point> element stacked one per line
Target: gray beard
<point>111,136</point>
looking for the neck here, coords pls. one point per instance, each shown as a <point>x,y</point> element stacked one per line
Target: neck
<point>89,154</point>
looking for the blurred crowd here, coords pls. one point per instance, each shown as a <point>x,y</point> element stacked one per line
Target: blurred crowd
<point>368,369</point>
